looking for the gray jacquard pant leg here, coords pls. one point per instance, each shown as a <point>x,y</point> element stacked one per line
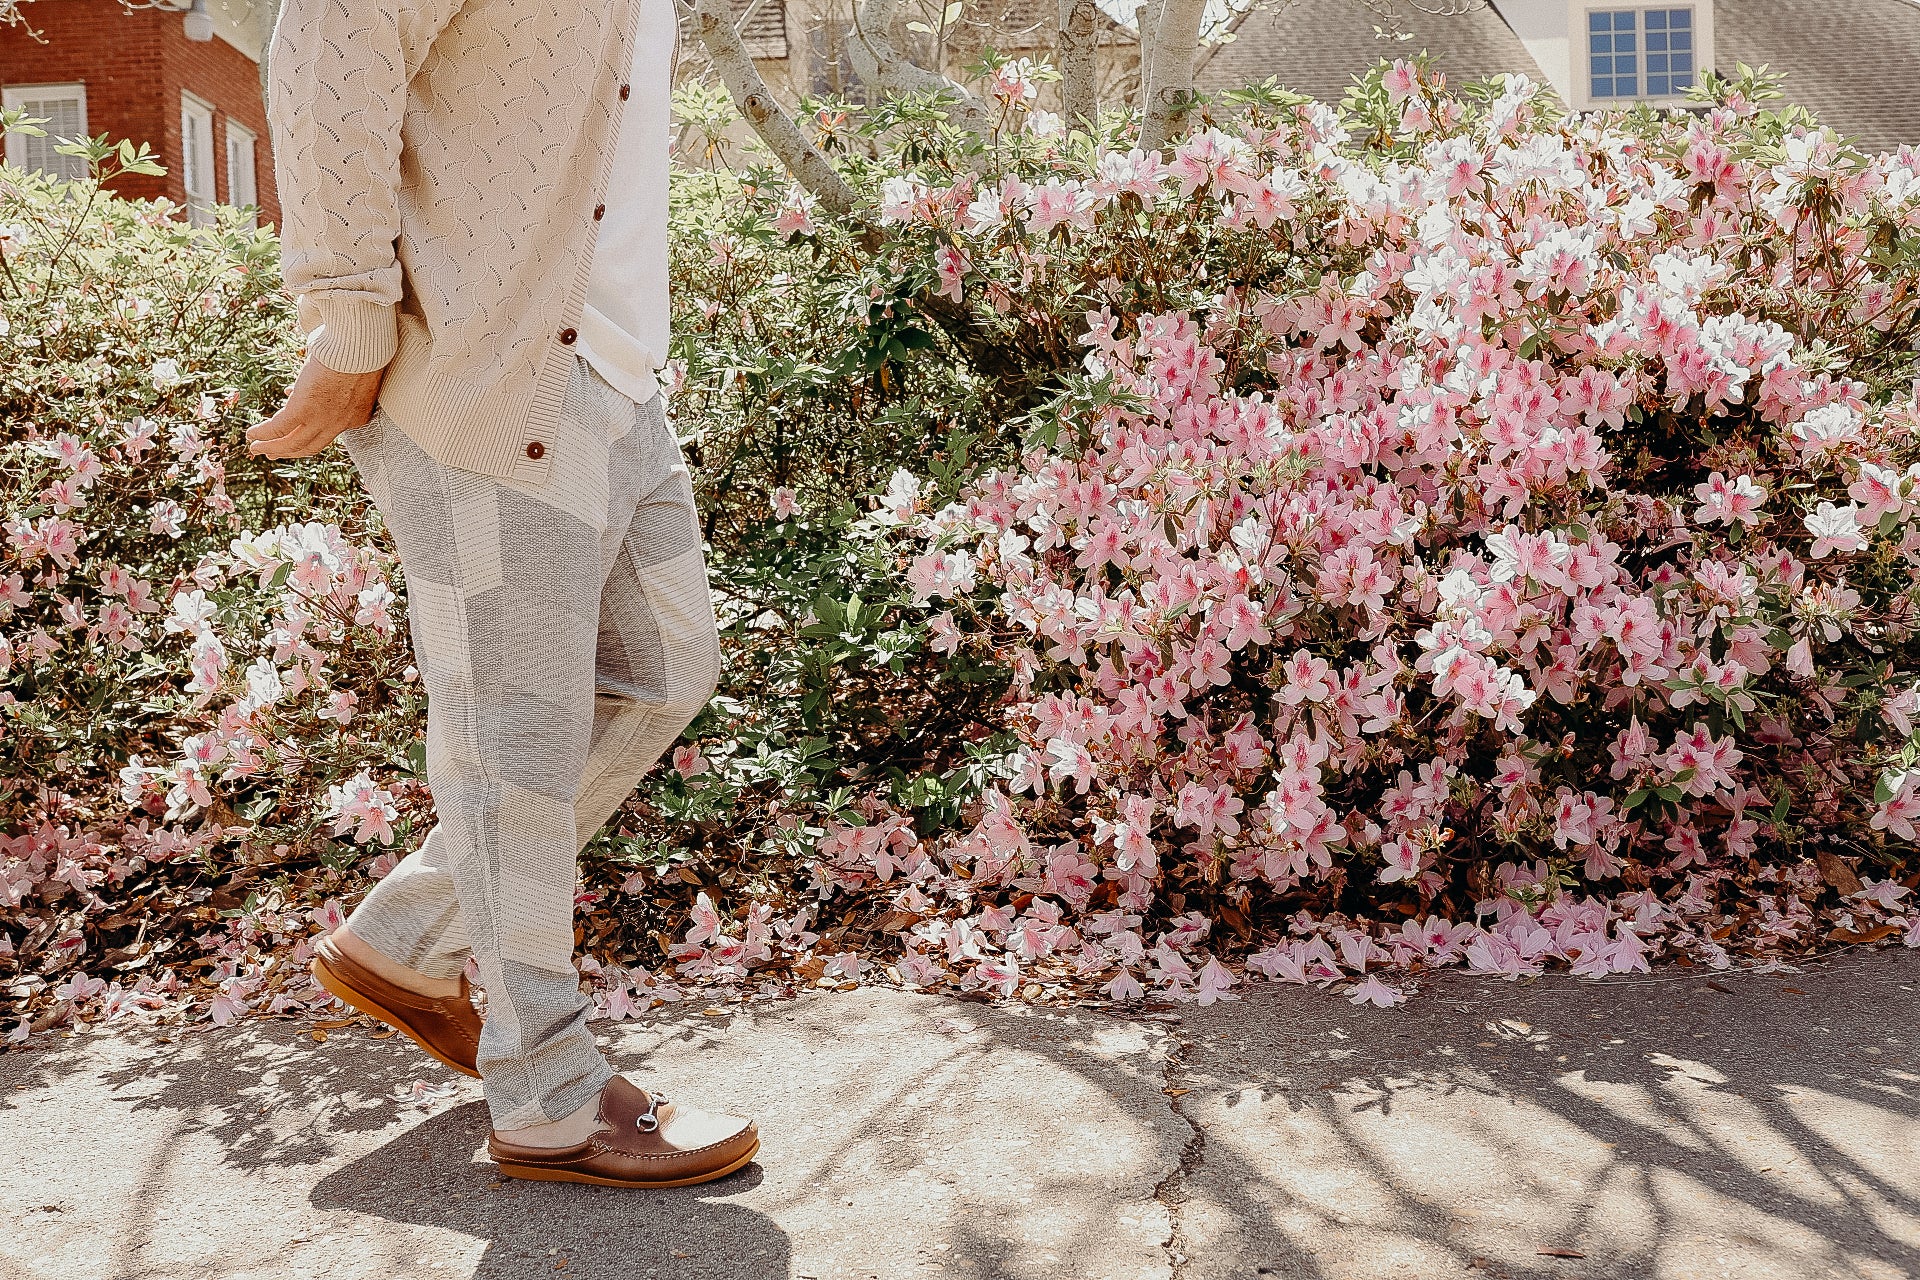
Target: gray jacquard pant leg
<point>566,637</point>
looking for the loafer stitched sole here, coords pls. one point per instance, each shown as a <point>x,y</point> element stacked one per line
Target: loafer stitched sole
<point>353,997</point>
<point>560,1173</point>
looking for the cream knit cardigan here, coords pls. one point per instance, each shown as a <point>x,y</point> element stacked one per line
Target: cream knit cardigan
<point>441,165</point>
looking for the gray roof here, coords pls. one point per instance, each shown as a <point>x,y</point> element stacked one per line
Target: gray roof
<point>1317,46</point>
<point>1855,62</point>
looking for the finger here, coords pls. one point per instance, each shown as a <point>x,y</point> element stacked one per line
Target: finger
<point>297,433</point>
<point>308,439</point>
<point>270,439</point>
<point>272,429</point>
<point>278,435</point>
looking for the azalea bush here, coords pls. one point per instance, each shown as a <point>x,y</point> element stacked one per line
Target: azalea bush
<point>1470,535</point>
<point>149,672</point>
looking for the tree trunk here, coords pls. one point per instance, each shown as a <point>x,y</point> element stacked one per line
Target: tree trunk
<point>1167,68</point>
<point>713,19</point>
<point>884,71</point>
<point>1080,62</point>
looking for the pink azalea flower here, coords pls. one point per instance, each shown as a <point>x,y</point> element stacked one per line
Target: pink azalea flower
<point>688,762</point>
<point>360,806</point>
<point>1375,992</point>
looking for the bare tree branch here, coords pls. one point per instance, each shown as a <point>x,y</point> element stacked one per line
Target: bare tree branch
<point>1079,64</point>
<point>713,20</point>
<point>1167,68</point>
<point>888,72</point>
<point>1222,36</point>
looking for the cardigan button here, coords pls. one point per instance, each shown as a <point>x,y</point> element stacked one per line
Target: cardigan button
<point>599,212</point>
<point>626,91</point>
<point>567,336</point>
<point>536,450</point>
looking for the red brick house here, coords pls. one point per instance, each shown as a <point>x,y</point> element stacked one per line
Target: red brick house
<point>184,79</point>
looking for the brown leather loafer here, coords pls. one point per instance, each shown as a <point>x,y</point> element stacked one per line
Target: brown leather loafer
<point>448,1029</point>
<point>645,1141</point>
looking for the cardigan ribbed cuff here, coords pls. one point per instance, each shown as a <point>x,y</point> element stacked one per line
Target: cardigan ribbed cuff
<point>355,336</point>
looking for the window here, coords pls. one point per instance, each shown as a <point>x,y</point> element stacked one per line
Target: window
<point>1640,53</point>
<point>764,32</point>
<point>1669,52</point>
<point>241,192</point>
<point>196,158</point>
<point>64,108</point>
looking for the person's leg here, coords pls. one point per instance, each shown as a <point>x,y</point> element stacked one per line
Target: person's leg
<point>657,660</point>
<point>504,592</point>
<point>659,649</point>
<point>408,928</point>
<point>658,652</point>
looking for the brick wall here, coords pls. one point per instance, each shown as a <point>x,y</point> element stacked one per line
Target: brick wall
<point>222,75</point>
<point>135,66</point>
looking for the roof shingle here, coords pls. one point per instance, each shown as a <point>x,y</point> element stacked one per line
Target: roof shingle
<point>1854,62</point>
<point>1316,47</point>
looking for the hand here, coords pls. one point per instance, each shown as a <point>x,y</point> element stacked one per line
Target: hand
<point>320,406</point>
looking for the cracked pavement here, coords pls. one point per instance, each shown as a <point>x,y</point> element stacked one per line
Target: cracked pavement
<point>1765,1127</point>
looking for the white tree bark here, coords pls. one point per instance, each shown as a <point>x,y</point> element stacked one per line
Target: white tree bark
<point>1167,57</point>
<point>1079,61</point>
<point>885,71</point>
<point>713,20</point>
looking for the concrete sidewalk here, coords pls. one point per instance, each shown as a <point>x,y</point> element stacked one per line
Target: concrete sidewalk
<point>1759,1127</point>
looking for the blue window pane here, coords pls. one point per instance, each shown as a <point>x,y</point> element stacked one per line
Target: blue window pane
<point>1599,22</point>
<point>1680,40</point>
<point>1656,20</point>
<point>1680,19</point>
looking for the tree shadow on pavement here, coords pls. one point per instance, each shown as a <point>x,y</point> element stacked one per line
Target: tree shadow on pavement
<point>242,1092</point>
<point>435,1174</point>
<point>1677,1125</point>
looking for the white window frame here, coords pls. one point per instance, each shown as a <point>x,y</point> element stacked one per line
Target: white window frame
<point>197,171</point>
<point>1581,70</point>
<point>241,174</point>
<point>24,152</point>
